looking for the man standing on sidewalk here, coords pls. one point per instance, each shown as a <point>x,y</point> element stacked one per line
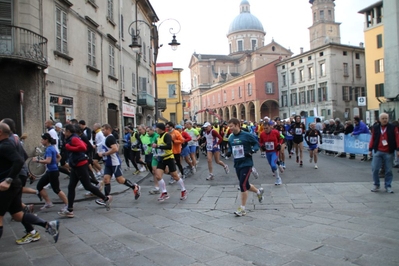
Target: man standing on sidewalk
<point>383,143</point>
<point>242,145</point>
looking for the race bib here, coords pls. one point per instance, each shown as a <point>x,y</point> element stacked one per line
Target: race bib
<point>269,146</point>
<point>313,140</point>
<point>238,151</point>
<point>298,131</point>
<point>209,147</point>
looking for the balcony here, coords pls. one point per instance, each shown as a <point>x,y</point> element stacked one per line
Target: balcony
<point>24,45</point>
<point>145,100</point>
<point>162,104</point>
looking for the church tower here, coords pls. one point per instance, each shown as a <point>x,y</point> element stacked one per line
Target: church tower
<point>324,29</point>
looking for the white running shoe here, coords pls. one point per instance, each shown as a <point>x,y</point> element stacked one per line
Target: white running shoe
<point>315,166</point>
<point>226,169</point>
<point>255,172</point>
<point>278,181</point>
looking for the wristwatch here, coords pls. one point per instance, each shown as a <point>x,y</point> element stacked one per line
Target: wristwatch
<point>8,180</point>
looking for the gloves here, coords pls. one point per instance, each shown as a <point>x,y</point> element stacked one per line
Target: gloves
<point>263,148</point>
<point>248,155</point>
<point>321,142</point>
<point>228,154</point>
<point>278,147</point>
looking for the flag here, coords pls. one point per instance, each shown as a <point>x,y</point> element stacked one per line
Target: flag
<point>164,68</point>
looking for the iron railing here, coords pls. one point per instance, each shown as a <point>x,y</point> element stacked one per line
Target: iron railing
<point>23,44</point>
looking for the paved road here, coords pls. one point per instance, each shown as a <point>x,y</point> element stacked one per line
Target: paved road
<point>326,216</point>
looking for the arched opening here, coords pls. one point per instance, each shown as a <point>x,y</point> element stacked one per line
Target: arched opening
<point>269,108</point>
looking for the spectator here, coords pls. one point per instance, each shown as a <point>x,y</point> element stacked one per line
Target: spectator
<point>339,128</point>
<point>360,128</point>
<point>349,130</point>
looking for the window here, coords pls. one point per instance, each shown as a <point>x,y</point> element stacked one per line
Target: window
<point>239,92</point>
<point>172,91</point>
<point>283,67</point>
<point>358,75</point>
<point>292,64</point>
<point>345,53</point>
<point>172,117</point>
<point>284,80</point>
<point>249,89</point>
<point>379,90</point>
<point>346,70</point>
<point>121,27</point>
<point>224,96</point>
<point>359,92</point>
<point>292,77</point>
<point>346,93</point>
<point>122,73</point>
<point>144,52</point>
<point>310,72</point>
<point>61,31</point>
<point>379,40</point>
<point>284,102</point>
<point>301,75</point>
<point>329,15</point>
<point>321,14</point>
<point>240,47</point>
<point>253,42</point>
<point>300,61</point>
<point>311,94</point>
<point>357,55</point>
<point>218,98</point>
<point>314,16</point>
<point>112,60</point>
<point>142,84</point>
<point>302,98</point>
<point>379,65</point>
<point>322,69</point>
<point>269,88</point>
<point>91,36</point>
<point>309,57</point>
<point>213,99</point>
<point>322,92</point>
<point>321,53</point>
<point>110,10</point>
<point>294,100</point>
<point>232,94</point>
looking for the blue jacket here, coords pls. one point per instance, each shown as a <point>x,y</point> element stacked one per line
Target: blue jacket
<point>127,144</point>
<point>249,145</point>
<point>361,128</point>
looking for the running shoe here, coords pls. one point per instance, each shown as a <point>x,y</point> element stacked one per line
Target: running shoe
<point>171,181</point>
<point>310,160</point>
<point>315,166</point>
<point>26,239</point>
<point>66,213</point>
<point>210,177</point>
<point>164,196</point>
<point>100,202</point>
<point>136,191</point>
<point>100,185</point>
<point>289,156</point>
<point>183,195</point>
<point>389,190</point>
<point>80,186</point>
<point>47,206</point>
<point>29,208</point>
<point>48,186</point>
<point>240,212</point>
<point>375,189</point>
<point>193,169</point>
<point>300,164</point>
<point>281,168</point>
<point>278,181</point>
<point>136,172</point>
<point>88,194</point>
<point>283,163</point>
<point>52,229</point>
<point>260,195</point>
<point>108,202</point>
<point>226,169</point>
<point>255,172</point>
<point>183,176</point>
<point>154,191</point>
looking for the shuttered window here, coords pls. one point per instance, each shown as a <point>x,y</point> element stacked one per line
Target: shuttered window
<point>5,12</point>
<point>61,31</point>
<point>91,48</point>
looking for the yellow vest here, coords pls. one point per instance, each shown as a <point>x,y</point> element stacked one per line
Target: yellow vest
<point>217,128</point>
<point>225,136</point>
<point>134,142</point>
<point>166,154</point>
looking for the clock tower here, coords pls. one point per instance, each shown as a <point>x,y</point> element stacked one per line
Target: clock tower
<point>324,29</point>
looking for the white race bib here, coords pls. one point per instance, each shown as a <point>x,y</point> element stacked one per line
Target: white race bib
<point>209,147</point>
<point>238,151</point>
<point>298,131</point>
<point>269,146</point>
<point>313,140</point>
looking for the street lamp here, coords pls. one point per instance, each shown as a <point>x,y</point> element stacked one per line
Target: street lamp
<point>136,45</point>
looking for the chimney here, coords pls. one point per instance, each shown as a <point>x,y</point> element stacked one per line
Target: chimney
<point>361,45</point>
<point>301,50</point>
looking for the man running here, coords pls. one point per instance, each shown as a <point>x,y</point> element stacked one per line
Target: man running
<point>213,140</point>
<point>109,153</point>
<point>297,130</point>
<point>242,145</point>
<point>312,139</point>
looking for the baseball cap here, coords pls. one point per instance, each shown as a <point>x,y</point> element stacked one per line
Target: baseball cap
<point>59,125</point>
<point>206,124</point>
<point>178,127</point>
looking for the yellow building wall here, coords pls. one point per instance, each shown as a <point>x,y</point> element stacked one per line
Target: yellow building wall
<point>174,103</point>
<point>372,54</point>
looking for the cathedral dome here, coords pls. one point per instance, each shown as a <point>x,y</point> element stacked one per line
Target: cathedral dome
<point>245,20</point>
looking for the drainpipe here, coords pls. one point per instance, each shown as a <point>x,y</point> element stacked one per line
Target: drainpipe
<point>121,74</point>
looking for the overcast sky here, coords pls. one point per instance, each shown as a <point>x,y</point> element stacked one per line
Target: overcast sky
<point>204,25</point>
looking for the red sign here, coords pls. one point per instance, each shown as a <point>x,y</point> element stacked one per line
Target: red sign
<point>164,68</point>
<point>128,110</point>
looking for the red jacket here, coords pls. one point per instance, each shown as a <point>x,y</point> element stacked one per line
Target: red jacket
<point>270,141</point>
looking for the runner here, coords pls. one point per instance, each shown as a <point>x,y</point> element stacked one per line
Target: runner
<point>297,130</point>
<point>213,140</point>
<point>312,138</point>
<point>242,145</point>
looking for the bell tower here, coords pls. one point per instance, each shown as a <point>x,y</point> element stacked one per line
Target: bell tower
<point>324,29</point>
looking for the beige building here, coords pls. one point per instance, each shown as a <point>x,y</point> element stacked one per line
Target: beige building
<point>328,80</point>
<point>72,60</point>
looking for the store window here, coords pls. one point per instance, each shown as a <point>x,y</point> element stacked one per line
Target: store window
<point>61,108</point>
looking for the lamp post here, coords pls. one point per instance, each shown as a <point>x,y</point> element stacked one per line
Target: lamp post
<point>136,45</point>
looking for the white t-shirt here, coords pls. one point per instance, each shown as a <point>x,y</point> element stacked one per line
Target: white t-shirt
<point>54,135</point>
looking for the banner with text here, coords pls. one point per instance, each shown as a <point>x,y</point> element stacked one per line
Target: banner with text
<point>358,144</point>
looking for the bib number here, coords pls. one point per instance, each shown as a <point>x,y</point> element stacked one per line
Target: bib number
<point>298,131</point>
<point>313,140</point>
<point>269,146</point>
<point>238,151</point>
<point>209,147</point>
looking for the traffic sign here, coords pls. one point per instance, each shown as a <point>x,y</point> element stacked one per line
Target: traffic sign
<point>361,101</point>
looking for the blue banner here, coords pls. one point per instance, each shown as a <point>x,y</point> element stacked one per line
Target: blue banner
<point>358,144</point>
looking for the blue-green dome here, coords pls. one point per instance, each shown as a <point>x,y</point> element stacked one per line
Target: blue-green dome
<point>245,20</point>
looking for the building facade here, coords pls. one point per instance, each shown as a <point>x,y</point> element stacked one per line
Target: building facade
<point>327,80</point>
<point>71,59</point>
<point>237,85</point>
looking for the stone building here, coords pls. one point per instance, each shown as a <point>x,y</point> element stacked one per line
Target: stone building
<point>71,59</point>
<point>327,80</point>
<point>242,84</point>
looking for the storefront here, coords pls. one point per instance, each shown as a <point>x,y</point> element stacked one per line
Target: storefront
<point>61,108</point>
<point>129,111</point>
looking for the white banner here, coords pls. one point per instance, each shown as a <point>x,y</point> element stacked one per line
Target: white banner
<point>333,142</point>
